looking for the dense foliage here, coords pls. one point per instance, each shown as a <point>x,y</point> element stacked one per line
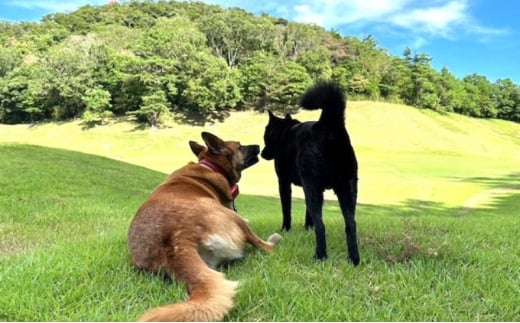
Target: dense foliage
<point>158,59</point>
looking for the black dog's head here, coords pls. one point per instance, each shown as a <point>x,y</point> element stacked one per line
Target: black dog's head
<point>231,156</point>
<point>273,133</point>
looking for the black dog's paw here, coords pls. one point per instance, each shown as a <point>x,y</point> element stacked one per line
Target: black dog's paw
<point>320,257</point>
<point>355,261</point>
<point>286,227</point>
<point>309,227</point>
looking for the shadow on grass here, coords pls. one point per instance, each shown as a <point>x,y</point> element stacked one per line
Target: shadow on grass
<point>500,195</point>
<point>509,181</point>
<point>195,118</point>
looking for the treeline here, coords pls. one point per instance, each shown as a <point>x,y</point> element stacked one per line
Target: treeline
<point>158,59</point>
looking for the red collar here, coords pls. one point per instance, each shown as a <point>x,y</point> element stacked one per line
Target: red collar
<point>216,168</point>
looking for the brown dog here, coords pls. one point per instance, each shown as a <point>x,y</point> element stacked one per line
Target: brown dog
<point>188,225</point>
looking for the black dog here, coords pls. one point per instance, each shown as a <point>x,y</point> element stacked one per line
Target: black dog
<point>316,155</point>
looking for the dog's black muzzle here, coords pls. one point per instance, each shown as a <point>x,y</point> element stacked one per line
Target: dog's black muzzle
<point>251,155</point>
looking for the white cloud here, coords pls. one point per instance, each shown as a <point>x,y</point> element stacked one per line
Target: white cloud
<point>443,18</point>
<point>330,13</point>
<point>434,20</point>
<point>53,5</point>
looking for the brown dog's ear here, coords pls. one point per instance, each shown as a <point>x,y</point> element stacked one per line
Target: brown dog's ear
<point>214,143</point>
<point>196,148</point>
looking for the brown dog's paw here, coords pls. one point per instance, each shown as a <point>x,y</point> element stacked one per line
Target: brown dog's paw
<point>274,238</point>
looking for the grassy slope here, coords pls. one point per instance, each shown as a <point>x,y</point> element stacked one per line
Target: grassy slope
<point>435,245</point>
<point>402,151</point>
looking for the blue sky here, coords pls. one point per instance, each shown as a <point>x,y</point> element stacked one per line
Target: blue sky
<point>477,36</point>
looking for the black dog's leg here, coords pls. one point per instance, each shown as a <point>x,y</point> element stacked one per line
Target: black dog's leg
<point>347,197</point>
<point>308,220</point>
<point>314,204</point>
<point>284,188</point>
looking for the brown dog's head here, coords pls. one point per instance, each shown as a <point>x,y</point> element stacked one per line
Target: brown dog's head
<point>231,156</point>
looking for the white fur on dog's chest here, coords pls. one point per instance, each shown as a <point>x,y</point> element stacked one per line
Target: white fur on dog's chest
<point>218,249</point>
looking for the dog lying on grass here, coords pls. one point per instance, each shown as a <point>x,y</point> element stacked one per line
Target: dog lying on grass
<point>188,226</point>
<point>316,155</point>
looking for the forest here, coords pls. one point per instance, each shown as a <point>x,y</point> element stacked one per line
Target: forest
<point>156,59</point>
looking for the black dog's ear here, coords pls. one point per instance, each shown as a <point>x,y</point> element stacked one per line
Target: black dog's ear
<point>214,143</point>
<point>196,148</point>
<point>271,115</point>
<point>288,117</point>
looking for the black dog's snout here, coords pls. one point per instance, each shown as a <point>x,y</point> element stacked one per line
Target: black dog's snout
<point>267,154</point>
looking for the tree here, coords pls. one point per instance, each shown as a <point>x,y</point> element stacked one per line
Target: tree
<point>288,84</point>
<point>11,86</point>
<point>268,82</point>
<point>154,104</point>
<point>508,100</point>
<point>316,62</point>
<point>171,38</point>
<point>424,78</point>
<point>480,96</point>
<point>232,34</point>
<point>453,94</point>
<point>69,70</point>
<point>363,68</point>
<point>97,103</point>
<point>255,75</point>
<point>10,58</point>
<point>396,81</point>
<point>118,67</point>
<point>209,85</point>
<point>292,39</point>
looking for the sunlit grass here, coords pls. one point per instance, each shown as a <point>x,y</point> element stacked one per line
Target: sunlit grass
<point>403,152</point>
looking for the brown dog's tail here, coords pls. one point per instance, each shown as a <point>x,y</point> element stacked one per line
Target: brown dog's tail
<point>210,293</point>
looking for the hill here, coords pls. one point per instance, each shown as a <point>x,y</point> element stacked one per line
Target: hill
<point>403,152</point>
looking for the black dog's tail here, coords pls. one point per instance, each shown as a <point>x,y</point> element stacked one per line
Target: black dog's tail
<point>328,97</point>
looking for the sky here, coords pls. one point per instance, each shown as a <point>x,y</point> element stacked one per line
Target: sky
<point>477,36</point>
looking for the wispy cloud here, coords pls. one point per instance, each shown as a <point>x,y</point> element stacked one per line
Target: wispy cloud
<point>442,18</point>
<point>329,13</point>
<point>52,5</point>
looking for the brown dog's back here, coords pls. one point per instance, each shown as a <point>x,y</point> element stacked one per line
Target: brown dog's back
<point>165,234</point>
<point>187,225</point>
<point>183,206</point>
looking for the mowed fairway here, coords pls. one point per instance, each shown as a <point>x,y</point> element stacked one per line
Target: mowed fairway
<point>438,221</point>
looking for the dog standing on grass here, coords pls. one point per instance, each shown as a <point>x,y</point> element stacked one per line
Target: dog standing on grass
<point>317,155</point>
<point>188,226</point>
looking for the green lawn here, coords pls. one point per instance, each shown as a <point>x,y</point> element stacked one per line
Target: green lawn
<point>438,223</point>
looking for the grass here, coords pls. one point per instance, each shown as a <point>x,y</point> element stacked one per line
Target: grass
<point>437,219</point>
